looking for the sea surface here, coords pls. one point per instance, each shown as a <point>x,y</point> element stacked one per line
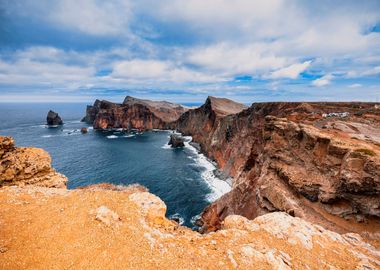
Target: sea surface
<point>182,178</point>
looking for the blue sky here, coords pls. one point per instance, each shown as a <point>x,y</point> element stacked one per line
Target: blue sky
<point>183,51</point>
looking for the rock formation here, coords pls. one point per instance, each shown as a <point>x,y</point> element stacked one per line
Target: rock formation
<point>83,130</point>
<point>176,141</point>
<point>133,113</point>
<point>328,176</point>
<point>27,166</point>
<point>125,227</point>
<point>53,119</point>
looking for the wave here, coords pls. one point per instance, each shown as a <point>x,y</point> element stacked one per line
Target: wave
<point>166,146</point>
<point>177,217</point>
<point>129,136</point>
<point>218,186</point>
<point>112,137</point>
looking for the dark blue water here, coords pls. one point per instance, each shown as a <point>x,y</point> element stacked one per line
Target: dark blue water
<point>180,177</point>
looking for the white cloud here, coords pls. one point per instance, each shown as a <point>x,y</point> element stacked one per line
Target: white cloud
<point>355,85</point>
<point>292,71</point>
<point>139,71</point>
<point>233,60</point>
<point>323,81</point>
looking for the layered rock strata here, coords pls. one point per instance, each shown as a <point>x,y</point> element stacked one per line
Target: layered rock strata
<point>106,227</point>
<point>302,164</point>
<point>133,113</point>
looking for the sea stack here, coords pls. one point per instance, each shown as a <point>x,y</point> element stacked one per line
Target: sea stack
<point>176,141</point>
<point>53,119</point>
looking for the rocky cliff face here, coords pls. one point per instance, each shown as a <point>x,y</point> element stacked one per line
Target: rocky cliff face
<point>133,113</point>
<point>125,227</point>
<point>304,164</point>
<point>27,166</point>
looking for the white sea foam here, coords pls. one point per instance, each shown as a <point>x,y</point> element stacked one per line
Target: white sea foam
<point>112,137</point>
<point>177,217</point>
<point>47,136</point>
<point>166,146</point>
<point>129,136</point>
<point>218,186</point>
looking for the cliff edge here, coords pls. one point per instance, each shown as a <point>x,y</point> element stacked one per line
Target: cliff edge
<point>317,161</point>
<point>107,227</point>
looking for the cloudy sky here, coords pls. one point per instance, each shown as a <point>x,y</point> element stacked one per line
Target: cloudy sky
<point>185,50</point>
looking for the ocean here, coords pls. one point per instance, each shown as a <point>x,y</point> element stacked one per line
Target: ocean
<point>182,178</point>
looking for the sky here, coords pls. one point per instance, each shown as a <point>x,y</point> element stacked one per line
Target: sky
<point>183,51</point>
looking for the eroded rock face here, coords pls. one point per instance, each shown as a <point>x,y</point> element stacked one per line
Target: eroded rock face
<point>133,114</point>
<point>27,166</point>
<point>107,222</point>
<point>53,119</point>
<point>293,164</point>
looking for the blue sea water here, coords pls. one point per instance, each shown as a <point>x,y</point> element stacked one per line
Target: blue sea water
<point>181,177</point>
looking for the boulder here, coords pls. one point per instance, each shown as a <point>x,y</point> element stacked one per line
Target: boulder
<point>53,119</point>
<point>83,130</point>
<point>176,141</point>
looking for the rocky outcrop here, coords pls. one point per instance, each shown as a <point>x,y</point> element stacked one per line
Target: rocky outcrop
<point>292,164</point>
<point>53,119</point>
<point>133,113</point>
<point>37,224</point>
<point>27,166</point>
<point>107,222</point>
<point>176,141</point>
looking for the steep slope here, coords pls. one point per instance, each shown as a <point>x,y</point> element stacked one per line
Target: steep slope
<point>133,113</point>
<point>116,227</point>
<point>305,167</point>
<point>202,122</point>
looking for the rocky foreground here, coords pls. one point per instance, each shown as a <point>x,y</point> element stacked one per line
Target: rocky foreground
<point>114,227</point>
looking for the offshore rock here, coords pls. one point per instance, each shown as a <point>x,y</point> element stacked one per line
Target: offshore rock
<point>53,119</point>
<point>27,166</point>
<point>176,141</point>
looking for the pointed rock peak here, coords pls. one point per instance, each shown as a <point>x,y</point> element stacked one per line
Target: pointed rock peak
<point>224,106</point>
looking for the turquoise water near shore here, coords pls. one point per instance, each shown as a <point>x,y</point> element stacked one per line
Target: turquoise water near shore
<point>181,177</point>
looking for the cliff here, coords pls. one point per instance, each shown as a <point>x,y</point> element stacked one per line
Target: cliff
<point>27,166</point>
<point>107,227</point>
<point>133,113</point>
<point>323,169</point>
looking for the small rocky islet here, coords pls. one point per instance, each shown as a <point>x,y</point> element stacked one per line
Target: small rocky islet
<point>305,193</point>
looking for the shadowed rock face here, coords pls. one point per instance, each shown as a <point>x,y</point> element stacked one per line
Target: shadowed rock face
<point>326,175</point>
<point>176,141</point>
<point>133,113</point>
<point>53,118</point>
